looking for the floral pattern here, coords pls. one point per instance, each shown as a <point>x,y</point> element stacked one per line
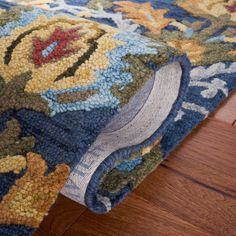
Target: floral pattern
<point>144,14</point>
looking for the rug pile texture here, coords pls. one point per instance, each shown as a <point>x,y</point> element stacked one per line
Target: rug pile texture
<point>95,94</point>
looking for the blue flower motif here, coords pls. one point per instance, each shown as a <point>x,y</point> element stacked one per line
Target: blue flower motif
<point>129,165</point>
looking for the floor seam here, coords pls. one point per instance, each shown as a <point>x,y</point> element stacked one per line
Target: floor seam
<point>67,228</point>
<point>198,182</point>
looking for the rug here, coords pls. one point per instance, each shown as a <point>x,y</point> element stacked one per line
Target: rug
<point>95,94</point>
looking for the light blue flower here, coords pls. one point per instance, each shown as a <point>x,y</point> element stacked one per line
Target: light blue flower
<point>26,18</point>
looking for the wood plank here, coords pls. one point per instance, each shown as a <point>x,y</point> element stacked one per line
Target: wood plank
<point>61,216</point>
<point>227,111</point>
<point>214,164</point>
<point>135,216</point>
<point>197,183</point>
<point>191,201</point>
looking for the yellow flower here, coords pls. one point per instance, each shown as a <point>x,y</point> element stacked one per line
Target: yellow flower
<point>35,3</point>
<point>144,14</point>
<point>33,194</point>
<point>211,7</point>
<point>191,47</point>
<point>232,53</point>
<point>12,163</point>
<point>148,149</point>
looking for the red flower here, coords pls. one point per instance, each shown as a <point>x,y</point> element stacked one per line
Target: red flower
<point>231,8</point>
<point>55,47</point>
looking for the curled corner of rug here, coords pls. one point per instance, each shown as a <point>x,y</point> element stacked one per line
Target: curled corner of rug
<point>128,147</point>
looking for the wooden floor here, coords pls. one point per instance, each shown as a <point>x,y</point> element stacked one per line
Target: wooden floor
<point>193,193</point>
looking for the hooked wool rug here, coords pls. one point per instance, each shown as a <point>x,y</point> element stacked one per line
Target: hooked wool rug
<point>95,94</point>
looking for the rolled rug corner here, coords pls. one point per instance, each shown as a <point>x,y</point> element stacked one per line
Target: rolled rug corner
<point>128,147</point>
